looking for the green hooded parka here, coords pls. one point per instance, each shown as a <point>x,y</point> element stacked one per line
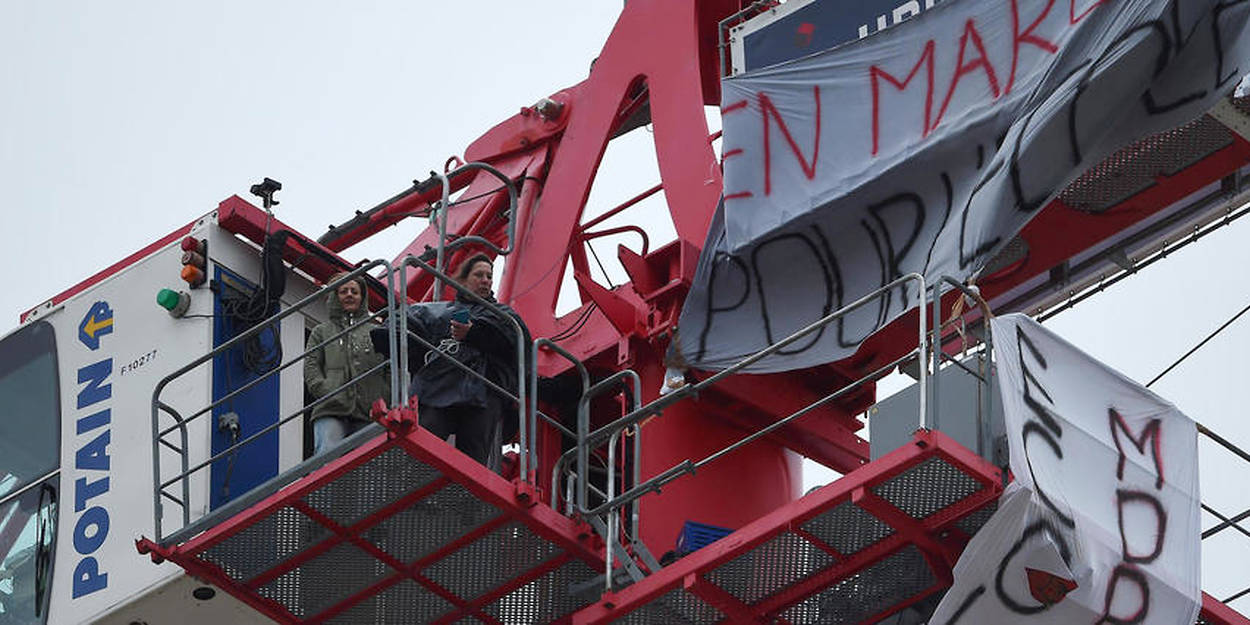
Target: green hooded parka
<point>342,359</point>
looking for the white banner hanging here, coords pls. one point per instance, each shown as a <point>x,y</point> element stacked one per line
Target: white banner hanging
<point>1102,524</point>
<point>924,149</point>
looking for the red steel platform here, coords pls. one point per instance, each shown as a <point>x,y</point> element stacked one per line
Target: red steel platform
<point>403,529</point>
<point>868,545</point>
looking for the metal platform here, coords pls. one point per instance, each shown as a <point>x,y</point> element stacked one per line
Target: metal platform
<point>870,544</point>
<point>403,529</point>
<point>1216,613</point>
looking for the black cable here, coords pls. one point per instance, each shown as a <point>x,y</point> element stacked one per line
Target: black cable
<point>600,263</point>
<point>1199,345</point>
<point>479,196</point>
<point>577,325</point>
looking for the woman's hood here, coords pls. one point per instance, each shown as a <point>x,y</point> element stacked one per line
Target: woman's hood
<point>335,307</point>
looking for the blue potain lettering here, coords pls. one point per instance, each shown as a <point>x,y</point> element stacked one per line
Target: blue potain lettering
<point>85,491</point>
<point>93,376</point>
<point>91,458</point>
<point>95,454</point>
<point>93,421</point>
<point>88,578</point>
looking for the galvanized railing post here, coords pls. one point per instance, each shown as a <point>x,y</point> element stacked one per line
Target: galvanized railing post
<point>611,430</point>
<point>181,423</point>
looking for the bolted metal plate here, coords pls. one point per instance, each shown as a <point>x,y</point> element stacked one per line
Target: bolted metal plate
<point>770,567</point>
<point>1134,169</point>
<point>676,608</point>
<point>404,602</point>
<point>848,528</point>
<point>927,488</point>
<point>490,561</point>
<point>545,599</point>
<point>430,523</point>
<point>376,483</point>
<point>324,581</point>
<point>265,544</point>
<point>867,593</point>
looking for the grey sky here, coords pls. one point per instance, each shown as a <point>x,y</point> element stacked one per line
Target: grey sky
<point>124,120</point>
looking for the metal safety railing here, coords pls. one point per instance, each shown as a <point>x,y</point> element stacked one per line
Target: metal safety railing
<point>177,488</point>
<point>589,440</point>
<point>439,216</point>
<point>397,326</point>
<point>984,372</point>
<point>1235,522</point>
<point>180,424</point>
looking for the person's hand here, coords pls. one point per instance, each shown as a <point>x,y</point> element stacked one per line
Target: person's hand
<point>460,330</point>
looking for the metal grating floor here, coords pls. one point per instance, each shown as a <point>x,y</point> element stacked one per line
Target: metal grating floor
<point>1138,166</point>
<point>866,546</point>
<point>404,529</point>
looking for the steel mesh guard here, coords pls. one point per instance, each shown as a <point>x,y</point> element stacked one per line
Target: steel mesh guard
<point>848,528</point>
<point>927,488</point>
<point>1133,169</point>
<point>868,592</point>
<point>973,523</point>
<point>770,567</point>
<point>676,608</point>
<point>405,602</point>
<point>380,481</point>
<point>1016,250</point>
<point>264,544</point>
<point>545,599</point>
<point>430,523</point>
<point>490,561</point>
<point>324,581</point>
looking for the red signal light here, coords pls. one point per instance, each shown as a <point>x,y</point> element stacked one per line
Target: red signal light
<point>194,261</point>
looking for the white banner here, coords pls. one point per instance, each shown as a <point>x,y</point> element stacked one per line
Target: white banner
<point>924,149</point>
<point>1102,522</point>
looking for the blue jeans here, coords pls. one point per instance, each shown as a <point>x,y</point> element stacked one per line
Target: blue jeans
<point>328,431</point>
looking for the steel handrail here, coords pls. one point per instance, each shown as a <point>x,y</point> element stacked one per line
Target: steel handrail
<point>533,423</point>
<point>277,424</point>
<point>688,466</point>
<point>252,384</point>
<point>158,405</point>
<point>659,404</point>
<point>583,422</point>
<point>441,219</point>
<point>973,293</point>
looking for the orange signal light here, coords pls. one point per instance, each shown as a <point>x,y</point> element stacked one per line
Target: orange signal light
<point>193,276</point>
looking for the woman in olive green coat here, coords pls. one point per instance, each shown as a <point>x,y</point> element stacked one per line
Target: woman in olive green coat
<point>343,359</point>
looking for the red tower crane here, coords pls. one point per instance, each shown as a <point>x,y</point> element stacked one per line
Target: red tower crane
<point>660,66</point>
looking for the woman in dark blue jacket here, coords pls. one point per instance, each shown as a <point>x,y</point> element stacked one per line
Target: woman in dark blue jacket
<point>480,337</point>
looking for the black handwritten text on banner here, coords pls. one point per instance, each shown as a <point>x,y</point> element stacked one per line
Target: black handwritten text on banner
<point>925,148</point>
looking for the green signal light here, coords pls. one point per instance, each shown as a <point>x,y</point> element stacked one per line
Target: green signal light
<point>173,301</point>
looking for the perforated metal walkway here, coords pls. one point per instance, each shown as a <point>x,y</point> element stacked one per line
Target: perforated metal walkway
<point>874,542</point>
<point>403,529</point>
